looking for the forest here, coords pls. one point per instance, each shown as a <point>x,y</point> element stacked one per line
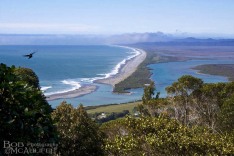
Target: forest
<point>195,118</point>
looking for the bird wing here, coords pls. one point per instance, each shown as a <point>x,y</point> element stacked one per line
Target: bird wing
<point>30,55</point>
<point>33,52</point>
<point>26,55</point>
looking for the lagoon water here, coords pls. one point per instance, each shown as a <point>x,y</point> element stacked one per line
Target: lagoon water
<point>64,68</point>
<point>164,74</point>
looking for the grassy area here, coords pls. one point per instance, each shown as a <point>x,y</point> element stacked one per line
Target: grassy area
<point>226,70</point>
<point>113,108</point>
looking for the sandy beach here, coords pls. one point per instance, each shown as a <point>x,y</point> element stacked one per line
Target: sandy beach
<point>72,94</point>
<point>125,71</point>
<point>128,69</point>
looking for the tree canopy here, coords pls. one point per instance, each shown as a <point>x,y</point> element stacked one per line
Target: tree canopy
<point>78,134</point>
<point>24,111</point>
<point>162,136</point>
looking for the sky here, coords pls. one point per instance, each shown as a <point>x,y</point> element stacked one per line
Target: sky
<point>116,16</point>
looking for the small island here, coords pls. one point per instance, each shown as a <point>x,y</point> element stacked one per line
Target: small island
<point>226,70</point>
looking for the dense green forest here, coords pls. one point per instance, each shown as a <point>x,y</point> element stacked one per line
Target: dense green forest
<point>196,118</point>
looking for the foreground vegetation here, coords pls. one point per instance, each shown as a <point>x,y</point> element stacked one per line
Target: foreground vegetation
<point>25,115</point>
<point>195,119</point>
<point>162,136</point>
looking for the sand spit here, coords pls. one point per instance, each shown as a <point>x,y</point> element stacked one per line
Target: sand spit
<point>72,94</point>
<point>127,70</point>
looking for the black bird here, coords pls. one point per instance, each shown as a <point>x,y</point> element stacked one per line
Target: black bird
<point>29,55</point>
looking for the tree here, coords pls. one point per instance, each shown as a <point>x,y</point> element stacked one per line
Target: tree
<point>147,108</point>
<point>24,112</point>
<point>207,104</point>
<point>148,93</point>
<point>180,92</point>
<point>78,134</point>
<point>27,75</point>
<point>226,116</point>
<point>226,92</point>
<point>210,104</point>
<point>162,136</point>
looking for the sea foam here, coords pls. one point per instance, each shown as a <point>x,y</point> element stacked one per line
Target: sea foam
<point>45,88</point>
<point>74,86</point>
<point>117,68</point>
<point>91,80</point>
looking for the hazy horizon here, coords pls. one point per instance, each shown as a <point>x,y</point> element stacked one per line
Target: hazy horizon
<point>92,39</point>
<point>182,35</point>
<point>75,17</point>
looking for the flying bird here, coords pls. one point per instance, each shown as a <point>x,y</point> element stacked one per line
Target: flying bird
<point>29,55</point>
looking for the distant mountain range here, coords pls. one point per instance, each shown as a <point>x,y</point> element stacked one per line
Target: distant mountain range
<point>190,41</point>
<point>157,38</point>
<point>139,37</point>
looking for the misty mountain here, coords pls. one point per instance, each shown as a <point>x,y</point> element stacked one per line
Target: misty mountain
<point>130,38</point>
<point>190,41</point>
<point>14,39</point>
<point>158,38</point>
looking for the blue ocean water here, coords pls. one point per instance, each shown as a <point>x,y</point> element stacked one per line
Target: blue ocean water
<point>65,68</point>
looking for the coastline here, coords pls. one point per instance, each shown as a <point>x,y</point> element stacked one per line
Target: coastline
<point>132,80</point>
<point>72,94</point>
<point>126,70</point>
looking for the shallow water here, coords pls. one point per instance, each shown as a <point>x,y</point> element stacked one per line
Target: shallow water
<point>164,74</point>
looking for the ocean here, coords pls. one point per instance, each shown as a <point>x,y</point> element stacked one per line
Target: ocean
<point>64,68</point>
